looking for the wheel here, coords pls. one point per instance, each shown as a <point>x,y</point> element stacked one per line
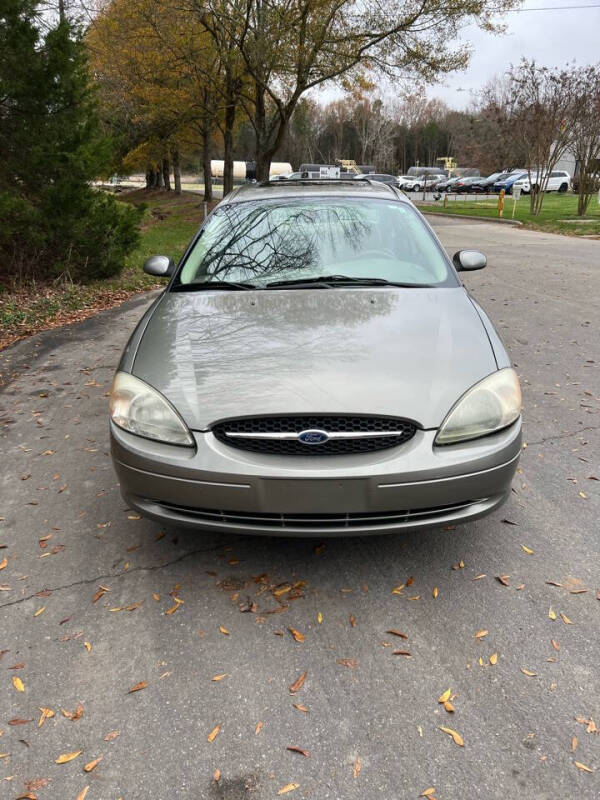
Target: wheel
<point>563,187</point>
<point>416,188</point>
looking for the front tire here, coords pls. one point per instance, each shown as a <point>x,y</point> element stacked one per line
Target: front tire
<point>563,187</point>
<point>416,188</point>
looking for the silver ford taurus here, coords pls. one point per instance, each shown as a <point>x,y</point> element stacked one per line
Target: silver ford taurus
<point>315,367</point>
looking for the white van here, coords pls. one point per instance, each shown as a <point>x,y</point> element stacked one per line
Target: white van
<point>559,181</point>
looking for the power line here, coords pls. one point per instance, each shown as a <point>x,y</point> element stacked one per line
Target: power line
<point>555,8</point>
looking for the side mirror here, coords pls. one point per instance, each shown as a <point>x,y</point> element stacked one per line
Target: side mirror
<point>160,266</point>
<point>465,260</point>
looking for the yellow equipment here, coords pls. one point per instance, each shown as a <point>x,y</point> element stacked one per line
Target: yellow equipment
<point>348,165</point>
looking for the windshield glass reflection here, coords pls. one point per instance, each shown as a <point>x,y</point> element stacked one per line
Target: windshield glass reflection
<point>258,243</point>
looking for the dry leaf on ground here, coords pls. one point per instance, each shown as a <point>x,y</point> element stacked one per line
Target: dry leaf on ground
<point>213,734</point>
<point>18,684</point>
<point>83,793</point>
<point>92,764</point>
<point>294,749</point>
<point>457,738</point>
<point>394,632</point>
<point>289,787</point>
<point>356,769</point>
<point>66,757</point>
<point>298,684</point>
<point>138,687</point>
<point>299,637</point>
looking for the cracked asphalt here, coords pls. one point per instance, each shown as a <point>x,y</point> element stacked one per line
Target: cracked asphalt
<point>82,568</point>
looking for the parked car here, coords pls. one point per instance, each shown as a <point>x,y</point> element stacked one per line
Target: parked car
<point>448,186</point>
<point>416,183</point>
<point>507,183</point>
<point>558,181</point>
<point>465,185</point>
<point>485,184</point>
<point>282,382</point>
<point>380,177</point>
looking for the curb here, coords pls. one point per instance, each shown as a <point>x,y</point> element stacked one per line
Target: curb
<point>471,217</point>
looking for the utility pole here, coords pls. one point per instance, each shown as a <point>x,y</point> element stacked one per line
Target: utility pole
<point>61,10</point>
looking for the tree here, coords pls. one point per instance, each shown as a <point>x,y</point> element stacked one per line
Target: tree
<point>585,136</point>
<point>542,108</point>
<point>291,46</point>
<point>51,221</point>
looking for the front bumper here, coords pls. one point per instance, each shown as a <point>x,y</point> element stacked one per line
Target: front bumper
<point>220,488</point>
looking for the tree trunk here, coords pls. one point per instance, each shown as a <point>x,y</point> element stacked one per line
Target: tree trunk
<point>206,168</point>
<point>149,177</point>
<point>158,183</point>
<point>166,172</point>
<point>263,162</point>
<point>176,169</point>
<point>228,147</point>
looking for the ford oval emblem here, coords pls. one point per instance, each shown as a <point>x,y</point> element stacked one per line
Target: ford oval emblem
<point>313,436</point>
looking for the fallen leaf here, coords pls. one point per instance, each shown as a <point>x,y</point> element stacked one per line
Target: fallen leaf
<point>583,767</point>
<point>398,589</point>
<point>65,757</point>
<point>428,792</point>
<point>83,793</point>
<point>435,592</point>
<point>92,764</point>
<point>400,653</point>
<point>156,596</point>
<point>258,728</point>
<point>220,677</point>
<point>555,644</point>
<point>449,707</point>
<point>574,743</point>
<point>457,738</point>
<point>494,659</point>
<point>18,684</point>
<point>102,590</point>
<point>565,619</point>
<point>289,787</point>
<point>481,634</point>
<point>224,630</point>
<point>87,646</point>
<point>39,611</point>
<point>19,721</point>
<point>294,749</point>
<point>528,672</point>
<point>319,618</point>
<point>213,734</point>
<point>300,707</point>
<point>112,735</point>
<point>479,577</point>
<point>395,632</point>
<point>299,637</point>
<point>527,550</point>
<point>353,620</point>
<point>47,713</point>
<point>27,796</point>
<point>4,563</point>
<point>445,696</point>
<point>298,684</point>
<point>348,662</point>
<point>583,494</point>
<point>138,687</point>
<point>503,579</point>
<point>73,715</point>
<point>552,614</point>
<point>356,769</point>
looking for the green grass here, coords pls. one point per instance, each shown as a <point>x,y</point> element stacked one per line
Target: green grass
<point>558,214</point>
<point>168,225</point>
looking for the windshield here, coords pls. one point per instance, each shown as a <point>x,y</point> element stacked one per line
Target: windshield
<point>261,242</point>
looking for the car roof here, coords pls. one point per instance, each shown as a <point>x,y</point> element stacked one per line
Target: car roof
<point>313,188</point>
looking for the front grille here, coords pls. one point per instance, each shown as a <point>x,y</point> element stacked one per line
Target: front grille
<point>259,519</point>
<point>349,434</point>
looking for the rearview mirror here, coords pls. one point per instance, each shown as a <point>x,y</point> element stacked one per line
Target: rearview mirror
<point>160,266</point>
<point>468,260</point>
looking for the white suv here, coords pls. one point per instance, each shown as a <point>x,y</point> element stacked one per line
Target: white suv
<point>559,181</point>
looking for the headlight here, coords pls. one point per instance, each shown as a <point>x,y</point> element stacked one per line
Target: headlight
<point>140,409</point>
<point>490,405</point>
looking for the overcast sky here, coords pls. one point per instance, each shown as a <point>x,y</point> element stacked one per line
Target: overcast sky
<point>552,37</point>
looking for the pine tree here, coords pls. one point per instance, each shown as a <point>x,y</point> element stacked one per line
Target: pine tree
<point>52,147</point>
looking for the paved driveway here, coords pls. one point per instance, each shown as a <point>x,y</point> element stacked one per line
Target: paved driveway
<point>87,609</point>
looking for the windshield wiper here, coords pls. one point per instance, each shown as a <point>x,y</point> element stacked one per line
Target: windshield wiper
<point>204,285</point>
<point>341,280</point>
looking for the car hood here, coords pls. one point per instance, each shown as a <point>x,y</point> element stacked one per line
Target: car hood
<point>404,352</point>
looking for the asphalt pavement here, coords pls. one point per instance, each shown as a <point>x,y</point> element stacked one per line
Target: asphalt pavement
<point>503,612</point>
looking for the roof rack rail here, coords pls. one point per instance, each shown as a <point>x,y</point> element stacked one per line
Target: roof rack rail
<point>319,182</point>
